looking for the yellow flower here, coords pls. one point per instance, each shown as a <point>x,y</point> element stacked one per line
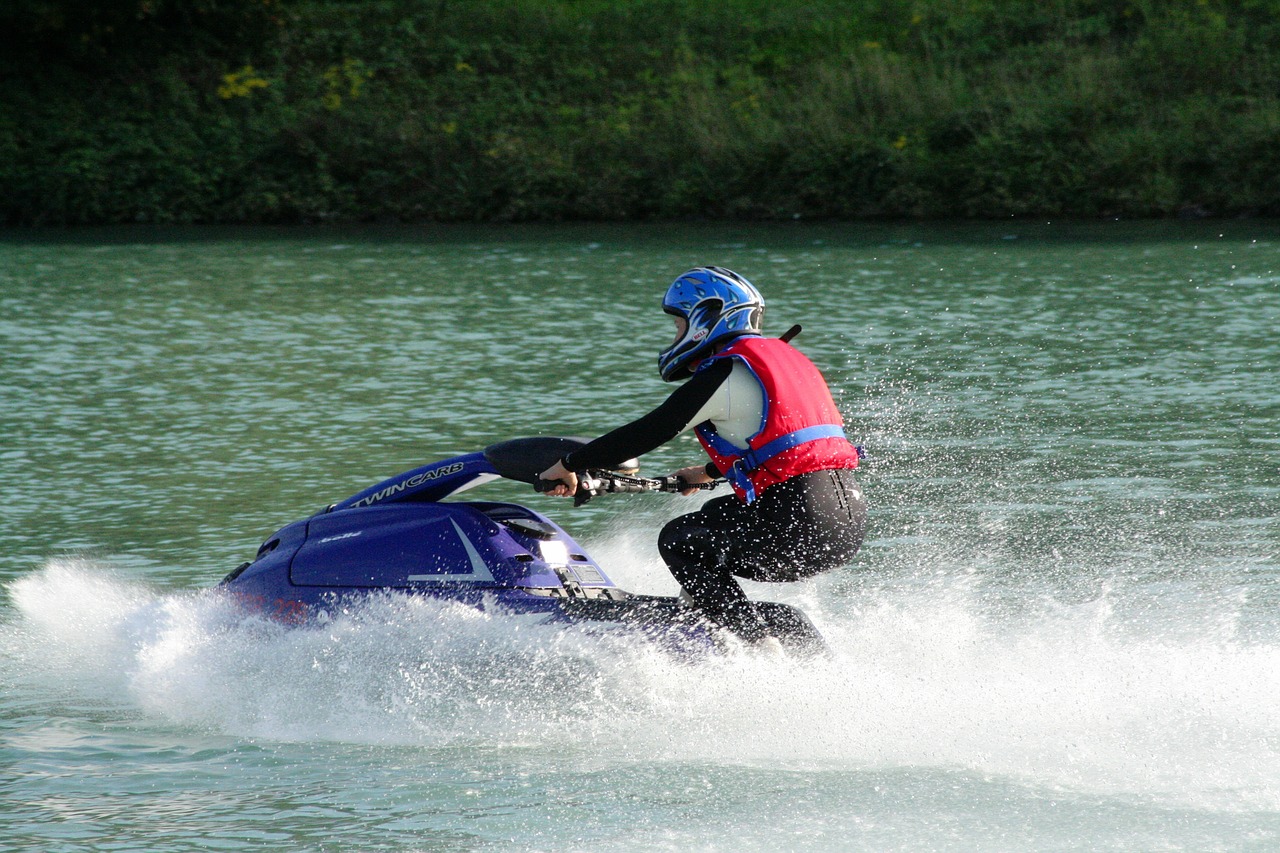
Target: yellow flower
<point>240,84</point>
<point>900,142</point>
<point>344,80</point>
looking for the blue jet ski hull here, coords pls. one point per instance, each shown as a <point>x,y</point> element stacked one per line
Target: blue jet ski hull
<point>404,536</point>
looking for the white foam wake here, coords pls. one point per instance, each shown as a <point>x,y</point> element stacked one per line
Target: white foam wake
<point>1073,698</point>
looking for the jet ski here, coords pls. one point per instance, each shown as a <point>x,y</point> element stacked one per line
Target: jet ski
<point>410,535</point>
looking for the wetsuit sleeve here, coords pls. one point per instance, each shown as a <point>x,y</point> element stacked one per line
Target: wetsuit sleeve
<point>655,429</point>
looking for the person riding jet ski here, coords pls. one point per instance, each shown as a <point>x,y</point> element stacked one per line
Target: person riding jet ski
<point>766,418</point>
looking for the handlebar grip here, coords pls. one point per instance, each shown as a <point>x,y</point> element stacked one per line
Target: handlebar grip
<point>673,483</point>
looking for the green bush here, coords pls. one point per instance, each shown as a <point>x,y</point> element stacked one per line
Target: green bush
<point>320,110</point>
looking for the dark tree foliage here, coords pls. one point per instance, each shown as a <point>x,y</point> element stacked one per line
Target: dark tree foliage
<point>483,110</point>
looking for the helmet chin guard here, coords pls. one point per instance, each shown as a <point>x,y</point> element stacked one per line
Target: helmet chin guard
<point>717,305</point>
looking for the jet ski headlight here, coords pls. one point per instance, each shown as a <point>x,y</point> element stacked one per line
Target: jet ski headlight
<point>554,552</point>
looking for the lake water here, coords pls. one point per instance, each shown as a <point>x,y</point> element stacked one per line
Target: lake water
<point>1063,632</point>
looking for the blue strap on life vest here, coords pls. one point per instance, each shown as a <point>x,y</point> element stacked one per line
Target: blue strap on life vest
<point>740,473</point>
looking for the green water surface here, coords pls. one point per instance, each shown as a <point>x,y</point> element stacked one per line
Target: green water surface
<point>1061,633</point>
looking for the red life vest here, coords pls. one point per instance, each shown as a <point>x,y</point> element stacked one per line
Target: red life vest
<point>802,429</point>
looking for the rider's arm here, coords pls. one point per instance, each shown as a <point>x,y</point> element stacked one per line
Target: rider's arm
<point>686,407</point>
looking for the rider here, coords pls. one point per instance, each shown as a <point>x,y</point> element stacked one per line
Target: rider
<point>766,418</point>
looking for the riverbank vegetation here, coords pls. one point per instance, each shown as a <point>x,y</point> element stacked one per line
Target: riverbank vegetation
<point>431,110</point>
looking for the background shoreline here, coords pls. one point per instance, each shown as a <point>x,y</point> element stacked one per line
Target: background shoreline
<point>322,111</point>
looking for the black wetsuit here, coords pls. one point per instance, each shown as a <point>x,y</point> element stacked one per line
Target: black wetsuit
<point>808,524</point>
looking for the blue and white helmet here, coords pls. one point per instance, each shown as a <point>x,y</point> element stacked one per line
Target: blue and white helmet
<point>717,304</point>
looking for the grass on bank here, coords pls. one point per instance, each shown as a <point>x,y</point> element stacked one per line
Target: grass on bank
<point>272,111</point>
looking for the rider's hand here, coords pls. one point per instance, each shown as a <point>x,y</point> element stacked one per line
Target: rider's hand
<point>566,481</point>
<point>693,476</point>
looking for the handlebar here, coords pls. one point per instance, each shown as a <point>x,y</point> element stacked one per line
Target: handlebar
<point>596,482</point>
